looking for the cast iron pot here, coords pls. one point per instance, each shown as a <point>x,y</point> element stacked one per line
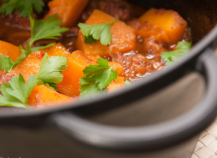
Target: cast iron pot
<point>150,127</point>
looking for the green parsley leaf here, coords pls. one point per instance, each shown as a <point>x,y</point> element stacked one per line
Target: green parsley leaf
<point>45,29</point>
<point>89,90</point>
<point>96,78</point>
<point>183,48</point>
<point>16,93</point>
<point>41,29</point>
<point>50,71</point>
<point>6,63</point>
<point>97,32</point>
<point>23,6</point>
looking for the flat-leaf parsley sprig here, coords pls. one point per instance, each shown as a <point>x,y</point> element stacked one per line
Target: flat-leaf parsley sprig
<point>183,47</point>
<point>23,6</point>
<point>50,70</point>
<point>16,93</point>
<point>41,29</point>
<point>97,32</point>
<point>96,78</point>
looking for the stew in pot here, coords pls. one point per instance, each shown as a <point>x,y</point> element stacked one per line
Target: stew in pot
<point>58,51</point>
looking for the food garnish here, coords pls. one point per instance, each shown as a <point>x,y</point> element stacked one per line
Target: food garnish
<point>16,93</point>
<point>50,70</point>
<point>97,32</point>
<point>23,6</point>
<point>96,78</point>
<point>6,63</point>
<point>183,48</point>
<point>41,29</point>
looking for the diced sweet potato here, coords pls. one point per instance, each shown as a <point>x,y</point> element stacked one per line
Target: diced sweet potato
<point>123,36</point>
<point>171,23</point>
<point>31,64</point>
<point>77,61</point>
<point>9,50</point>
<point>56,50</point>
<point>43,97</point>
<point>67,10</point>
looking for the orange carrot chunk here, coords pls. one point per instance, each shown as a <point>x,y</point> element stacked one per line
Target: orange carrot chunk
<point>169,21</point>
<point>123,36</point>
<point>67,10</point>
<point>9,50</point>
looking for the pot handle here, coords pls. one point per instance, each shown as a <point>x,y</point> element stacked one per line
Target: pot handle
<point>194,122</point>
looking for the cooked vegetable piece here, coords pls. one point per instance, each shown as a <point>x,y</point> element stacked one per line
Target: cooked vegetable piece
<point>123,36</point>
<point>169,21</point>
<point>16,93</point>
<point>77,62</point>
<point>183,47</point>
<point>97,32</point>
<point>23,6</point>
<point>67,10</point>
<point>31,64</point>
<point>42,97</point>
<point>9,50</point>
<point>116,84</point>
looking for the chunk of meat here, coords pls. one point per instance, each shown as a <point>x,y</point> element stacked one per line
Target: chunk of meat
<point>134,64</point>
<point>42,97</point>
<point>146,30</point>
<point>67,10</point>
<point>120,9</point>
<point>9,50</point>
<point>171,23</point>
<point>16,21</point>
<point>138,65</point>
<point>123,36</point>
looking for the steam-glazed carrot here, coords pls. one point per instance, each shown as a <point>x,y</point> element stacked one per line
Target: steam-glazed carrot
<point>42,97</point>
<point>31,64</point>
<point>65,9</point>
<point>123,36</point>
<point>169,21</point>
<point>9,50</point>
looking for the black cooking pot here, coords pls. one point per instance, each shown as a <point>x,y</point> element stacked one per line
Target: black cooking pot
<point>158,117</point>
